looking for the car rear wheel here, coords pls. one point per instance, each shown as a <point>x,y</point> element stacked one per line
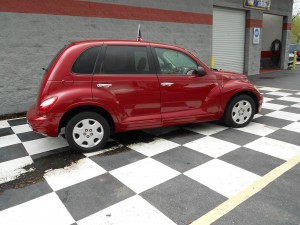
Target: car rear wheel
<point>239,111</point>
<point>87,132</point>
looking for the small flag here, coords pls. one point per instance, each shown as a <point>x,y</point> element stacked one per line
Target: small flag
<point>139,35</point>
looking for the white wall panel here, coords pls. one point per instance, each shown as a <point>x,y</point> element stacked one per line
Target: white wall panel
<point>229,39</point>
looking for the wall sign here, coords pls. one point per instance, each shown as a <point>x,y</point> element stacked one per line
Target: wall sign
<point>258,4</point>
<point>256,35</point>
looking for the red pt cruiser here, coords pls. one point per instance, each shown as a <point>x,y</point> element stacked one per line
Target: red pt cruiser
<point>94,88</point>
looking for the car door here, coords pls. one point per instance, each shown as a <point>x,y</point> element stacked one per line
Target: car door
<point>185,95</point>
<point>127,82</point>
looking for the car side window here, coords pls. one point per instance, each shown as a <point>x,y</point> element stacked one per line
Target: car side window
<point>174,62</point>
<point>85,63</point>
<point>125,60</point>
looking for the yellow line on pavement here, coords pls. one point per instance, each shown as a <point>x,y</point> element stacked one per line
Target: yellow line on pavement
<point>242,196</point>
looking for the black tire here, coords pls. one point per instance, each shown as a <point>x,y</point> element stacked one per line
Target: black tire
<point>94,134</point>
<point>242,118</point>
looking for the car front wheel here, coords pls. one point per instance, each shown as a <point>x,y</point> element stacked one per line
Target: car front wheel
<point>239,111</point>
<point>87,132</point>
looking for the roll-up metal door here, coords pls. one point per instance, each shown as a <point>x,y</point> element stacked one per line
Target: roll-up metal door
<point>229,39</point>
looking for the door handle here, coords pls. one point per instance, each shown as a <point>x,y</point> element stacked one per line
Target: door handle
<point>104,85</point>
<point>166,84</point>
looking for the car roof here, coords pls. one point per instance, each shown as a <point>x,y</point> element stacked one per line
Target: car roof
<point>141,43</point>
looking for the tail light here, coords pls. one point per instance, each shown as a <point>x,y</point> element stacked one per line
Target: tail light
<point>47,104</point>
<point>298,53</point>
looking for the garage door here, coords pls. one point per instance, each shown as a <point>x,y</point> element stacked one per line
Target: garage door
<point>229,39</point>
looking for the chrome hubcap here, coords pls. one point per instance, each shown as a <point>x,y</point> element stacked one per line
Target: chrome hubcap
<point>88,133</point>
<point>241,112</point>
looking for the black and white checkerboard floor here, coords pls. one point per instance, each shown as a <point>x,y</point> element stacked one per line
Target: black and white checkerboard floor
<point>163,176</point>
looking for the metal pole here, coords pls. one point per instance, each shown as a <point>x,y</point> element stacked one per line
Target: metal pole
<point>295,60</point>
<point>212,62</point>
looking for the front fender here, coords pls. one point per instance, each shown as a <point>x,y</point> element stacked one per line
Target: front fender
<point>230,90</point>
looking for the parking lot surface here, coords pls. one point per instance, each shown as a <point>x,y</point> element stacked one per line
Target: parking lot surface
<point>171,175</point>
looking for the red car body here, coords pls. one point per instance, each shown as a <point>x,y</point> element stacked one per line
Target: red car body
<point>133,101</point>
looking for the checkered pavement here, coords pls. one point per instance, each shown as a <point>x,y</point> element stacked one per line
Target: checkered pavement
<point>169,175</point>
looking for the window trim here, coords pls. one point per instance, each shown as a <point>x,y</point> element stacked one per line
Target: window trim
<point>86,49</point>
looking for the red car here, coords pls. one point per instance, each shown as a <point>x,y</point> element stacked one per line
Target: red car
<point>95,88</point>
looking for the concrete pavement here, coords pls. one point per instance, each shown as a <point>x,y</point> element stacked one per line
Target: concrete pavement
<point>284,79</point>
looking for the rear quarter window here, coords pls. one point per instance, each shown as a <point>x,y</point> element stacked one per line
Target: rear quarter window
<point>85,62</point>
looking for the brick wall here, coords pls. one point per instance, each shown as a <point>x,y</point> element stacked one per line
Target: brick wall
<point>30,40</point>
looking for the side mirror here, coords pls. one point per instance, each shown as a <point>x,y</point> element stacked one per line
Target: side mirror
<point>201,71</point>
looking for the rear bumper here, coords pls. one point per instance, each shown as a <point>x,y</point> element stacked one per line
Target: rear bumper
<point>46,124</point>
